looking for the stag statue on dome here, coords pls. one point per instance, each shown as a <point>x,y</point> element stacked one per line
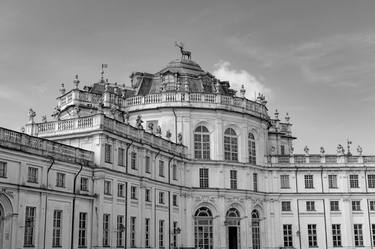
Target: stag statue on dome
<point>184,53</point>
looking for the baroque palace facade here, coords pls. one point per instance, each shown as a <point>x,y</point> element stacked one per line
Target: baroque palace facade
<point>176,160</point>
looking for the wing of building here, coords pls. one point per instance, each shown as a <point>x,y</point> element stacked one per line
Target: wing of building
<point>177,160</point>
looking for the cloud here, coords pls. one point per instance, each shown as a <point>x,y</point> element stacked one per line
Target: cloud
<point>237,78</point>
<point>341,60</point>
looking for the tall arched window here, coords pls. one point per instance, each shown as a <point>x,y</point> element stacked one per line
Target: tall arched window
<point>230,145</point>
<point>252,151</point>
<point>202,143</point>
<point>255,230</point>
<point>203,229</point>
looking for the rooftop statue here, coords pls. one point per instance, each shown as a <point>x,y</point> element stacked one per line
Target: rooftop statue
<point>184,53</point>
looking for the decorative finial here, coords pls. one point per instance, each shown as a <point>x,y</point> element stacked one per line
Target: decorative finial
<point>287,118</point>
<point>276,115</point>
<point>139,122</point>
<point>76,81</point>
<point>32,115</point>
<point>179,136</point>
<point>340,150</point>
<point>62,89</point>
<point>322,151</point>
<point>158,130</point>
<point>44,118</point>
<point>359,150</point>
<point>102,72</point>
<point>184,53</point>
<point>242,91</point>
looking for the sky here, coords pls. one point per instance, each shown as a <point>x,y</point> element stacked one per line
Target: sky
<point>312,59</point>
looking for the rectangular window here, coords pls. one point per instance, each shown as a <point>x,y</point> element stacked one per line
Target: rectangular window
<point>288,235</point>
<point>107,188</point>
<point>161,197</point>
<point>148,195</point>
<point>310,205</point>
<point>161,233</point>
<point>371,181</point>
<point>133,192</point>
<point>309,181</point>
<point>284,181</point>
<point>161,168</point>
<point>29,226</point>
<point>3,169</point>
<point>373,233</point>
<point>120,190</point>
<point>121,156</point>
<point>372,205</point>
<point>32,175</point>
<point>108,153</point>
<point>356,205</point>
<point>285,206</point>
<point>336,235</point>
<point>57,227</point>
<point>60,180</point>
<point>282,149</point>
<point>358,235</point>
<point>334,205</point>
<point>353,179</point>
<point>255,182</point>
<point>82,231</point>
<point>233,179</point>
<point>332,181</point>
<point>106,229</point>
<point>148,164</point>
<point>174,201</point>
<point>120,230</point>
<point>132,231</point>
<point>311,234</point>
<point>175,232</point>
<point>174,172</point>
<point>133,160</point>
<point>203,178</point>
<point>147,232</point>
<point>84,184</point>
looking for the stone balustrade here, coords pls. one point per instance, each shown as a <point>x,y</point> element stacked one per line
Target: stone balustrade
<point>43,147</point>
<point>101,122</point>
<point>178,99</point>
<point>308,160</point>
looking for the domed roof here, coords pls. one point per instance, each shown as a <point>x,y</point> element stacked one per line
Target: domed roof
<point>183,66</point>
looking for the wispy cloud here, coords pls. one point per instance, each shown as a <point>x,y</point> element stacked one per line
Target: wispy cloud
<point>237,78</point>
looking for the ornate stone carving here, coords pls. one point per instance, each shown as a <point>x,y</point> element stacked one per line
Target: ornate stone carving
<point>179,136</point>
<point>168,134</point>
<point>359,150</point>
<point>322,151</point>
<point>306,150</point>
<point>139,122</point>
<point>184,53</point>
<point>44,119</point>
<point>158,130</point>
<point>340,150</point>
<point>76,81</point>
<point>150,127</point>
<point>32,115</point>
<point>56,113</point>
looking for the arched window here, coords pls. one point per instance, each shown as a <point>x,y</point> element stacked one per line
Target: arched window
<point>252,151</point>
<point>203,229</point>
<point>202,143</point>
<point>233,213</point>
<point>255,230</point>
<point>169,82</point>
<point>230,145</point>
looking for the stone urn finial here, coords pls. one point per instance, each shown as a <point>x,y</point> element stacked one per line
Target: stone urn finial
<point>242,91</point>
<point>62,89</point>
<point>287,118</point>
<point>76,81</point>
<point>322,151</point>
<point>276,115</point>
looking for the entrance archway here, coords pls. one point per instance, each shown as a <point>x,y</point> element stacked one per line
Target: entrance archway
<point>232,222</point>
<point>255,229</point>
<point>203,229</point>
<point>6,220</point>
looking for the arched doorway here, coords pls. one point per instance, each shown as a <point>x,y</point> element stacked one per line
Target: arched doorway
<point>6,220</point>
<point>255,229</point>
<point>232,222</point>
<point>203,229</point>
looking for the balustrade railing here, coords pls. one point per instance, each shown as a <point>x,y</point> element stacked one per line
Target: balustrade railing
<point>320,159</point>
